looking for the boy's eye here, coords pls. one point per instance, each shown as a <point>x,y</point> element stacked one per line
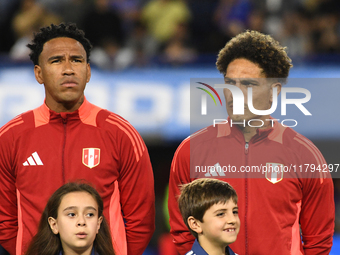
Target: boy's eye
<point>235,212</point>
<point>220,214</point>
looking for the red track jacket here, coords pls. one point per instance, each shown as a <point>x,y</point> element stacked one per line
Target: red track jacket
<point>272,205</point>
<point>41,150</point>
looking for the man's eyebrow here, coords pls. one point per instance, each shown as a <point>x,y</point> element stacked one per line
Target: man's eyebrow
<point>55,57</point>
<point>242,80</point>
<point>77,56</point>
<point>61,56</point>
<point>228,79</point>
<point>250,80</point>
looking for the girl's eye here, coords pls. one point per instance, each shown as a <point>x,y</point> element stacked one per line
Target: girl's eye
<point>90,214</point>
<point>71,214</point>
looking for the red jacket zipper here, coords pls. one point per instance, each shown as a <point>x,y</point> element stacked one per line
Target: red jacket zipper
<point>63,150</point>
<point>246,150</point>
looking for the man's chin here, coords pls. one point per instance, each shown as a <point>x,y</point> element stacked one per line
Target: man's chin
<point>238,118</point>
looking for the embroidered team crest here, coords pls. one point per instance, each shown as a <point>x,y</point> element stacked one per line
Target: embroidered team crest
<point>91,157</point>
<point>274,172</point>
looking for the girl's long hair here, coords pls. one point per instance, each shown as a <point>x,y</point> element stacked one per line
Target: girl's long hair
<point>45,242</point>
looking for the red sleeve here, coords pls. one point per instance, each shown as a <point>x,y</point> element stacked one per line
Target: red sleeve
<point>136,184</point>
<point>317,215</point>
<point>8,204</point>
<point>179,174</point>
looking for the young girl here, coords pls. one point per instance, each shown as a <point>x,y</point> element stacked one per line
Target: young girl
<point>73,223</point>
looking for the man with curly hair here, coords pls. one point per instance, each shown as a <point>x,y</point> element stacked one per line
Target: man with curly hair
<point>67,138</point>
<point>280,214</point>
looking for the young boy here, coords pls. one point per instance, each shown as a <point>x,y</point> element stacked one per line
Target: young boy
<point>209,209</point>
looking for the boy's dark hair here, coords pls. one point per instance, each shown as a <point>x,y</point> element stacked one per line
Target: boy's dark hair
<point>45,34</point>
<point>45,242</point>
<point>258,48</point>
<point>199,195</point>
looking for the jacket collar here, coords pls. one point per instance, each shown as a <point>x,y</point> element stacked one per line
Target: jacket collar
<point>198,250</point>
<point>87,113</point>
<point>235,130</point>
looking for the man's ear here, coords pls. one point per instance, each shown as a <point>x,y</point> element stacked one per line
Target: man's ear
<point>88,77</point>
<point>53,225</point>
<point>278,86</point>
<point>100,219</point>
<point>38,74</point>
<point>195,225</point>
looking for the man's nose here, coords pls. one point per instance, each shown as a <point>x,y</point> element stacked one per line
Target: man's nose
<point>237,83</point>
<point>68,68</point>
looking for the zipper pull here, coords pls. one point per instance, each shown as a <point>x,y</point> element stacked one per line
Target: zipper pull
<point>63,116</point>
<point>246,148</point>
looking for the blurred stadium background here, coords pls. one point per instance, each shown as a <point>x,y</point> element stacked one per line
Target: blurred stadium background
<point>145,53</point>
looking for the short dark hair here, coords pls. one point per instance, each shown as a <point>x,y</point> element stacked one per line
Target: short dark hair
<point>45,34</point>
<point>199,195</point>
<point>258,48</point>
